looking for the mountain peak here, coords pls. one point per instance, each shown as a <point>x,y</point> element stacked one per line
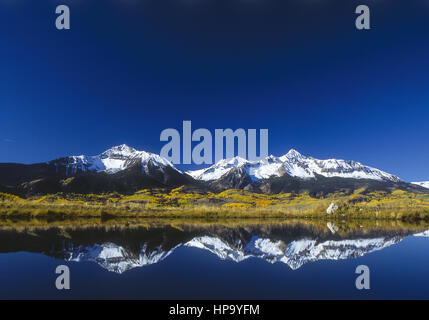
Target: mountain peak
<point>116,159</point>
<point>232,161</point>
<point>122,149</point>
<point>294,153</point>
<point>218,169</point>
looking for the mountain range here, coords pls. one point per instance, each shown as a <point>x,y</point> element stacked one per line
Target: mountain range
<point>118,259</point>
<point>293,164</point>
<point>119,250</point>
<point>126,170</point>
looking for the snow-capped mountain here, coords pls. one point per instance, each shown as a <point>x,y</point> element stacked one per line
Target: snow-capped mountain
<point>424,184</point>
<point>118,250</point>
<point>125,169</point>
<point>295,254</point>
<point>113,160</point>
<point>118,169</point>
<point>116,258</point>
<point>293,164</point>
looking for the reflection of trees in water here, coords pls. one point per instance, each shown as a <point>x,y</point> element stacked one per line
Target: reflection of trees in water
<point>119,248</point>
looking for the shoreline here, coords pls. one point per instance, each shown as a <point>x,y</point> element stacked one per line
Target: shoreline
<point>229,204</point>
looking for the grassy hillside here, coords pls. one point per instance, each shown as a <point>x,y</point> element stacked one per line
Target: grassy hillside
<point>230,203</point>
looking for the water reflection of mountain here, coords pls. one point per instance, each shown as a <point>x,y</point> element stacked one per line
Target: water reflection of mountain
<point>120,249</point>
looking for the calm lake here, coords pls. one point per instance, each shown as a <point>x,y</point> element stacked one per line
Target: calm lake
<point>220,260</point>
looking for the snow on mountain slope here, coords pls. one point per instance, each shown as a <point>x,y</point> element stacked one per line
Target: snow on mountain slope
<point>294,164</point>
<point>422,234</point>
<point>298,165</point>
<point>261,169</point>
<point>218,170</point>
<point>295,254</point>
<point>109,256</point>
<point>115,258</point>
<point>424,184</point>
<point>114,160</point>
<point>303,251</point>
<point>218,247</point>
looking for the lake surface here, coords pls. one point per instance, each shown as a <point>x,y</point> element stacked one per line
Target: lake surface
<point>219,260</point>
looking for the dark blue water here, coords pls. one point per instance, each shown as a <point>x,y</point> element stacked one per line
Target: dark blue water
<point>397,271</point>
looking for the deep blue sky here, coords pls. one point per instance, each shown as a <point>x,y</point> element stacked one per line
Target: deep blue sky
<point>128,69</point>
